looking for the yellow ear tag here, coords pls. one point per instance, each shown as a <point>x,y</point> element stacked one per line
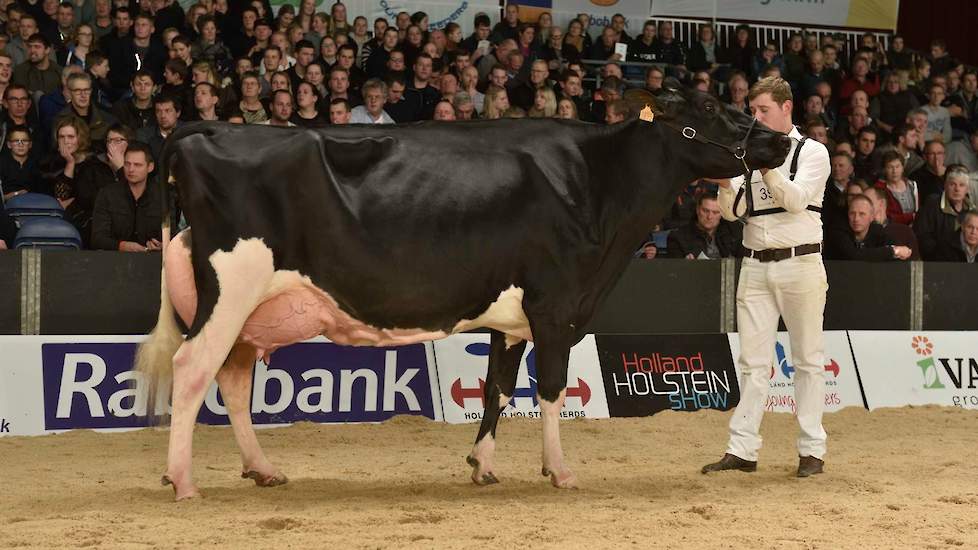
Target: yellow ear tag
<point>647,115</point>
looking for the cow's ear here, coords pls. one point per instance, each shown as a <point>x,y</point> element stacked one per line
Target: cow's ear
<point>638,100</point>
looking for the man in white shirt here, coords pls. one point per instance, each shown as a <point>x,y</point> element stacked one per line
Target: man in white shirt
<point>782,276</point>
<point>372,110</point>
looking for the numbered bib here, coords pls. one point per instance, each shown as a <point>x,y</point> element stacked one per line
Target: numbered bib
<point>763,201</point>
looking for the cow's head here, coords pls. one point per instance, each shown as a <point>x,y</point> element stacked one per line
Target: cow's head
<point>713,133</point>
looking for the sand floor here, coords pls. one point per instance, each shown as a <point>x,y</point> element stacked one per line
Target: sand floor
<point>898,478</point>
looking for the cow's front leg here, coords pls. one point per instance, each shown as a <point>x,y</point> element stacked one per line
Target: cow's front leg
<point>504,365</point>
<point>234,380</point>
<point>553,343</point>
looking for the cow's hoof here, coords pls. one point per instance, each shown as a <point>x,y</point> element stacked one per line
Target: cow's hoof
<point>561,480</point>
<point>479,476</point>
<point>187,493</point>
<point>273,480</point>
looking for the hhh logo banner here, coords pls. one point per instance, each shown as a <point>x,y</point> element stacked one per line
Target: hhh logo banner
<point>841,382</point>
<point>463,360</point>
<point>910,368</point>
<point>644,375</point>
<point>89,385</point>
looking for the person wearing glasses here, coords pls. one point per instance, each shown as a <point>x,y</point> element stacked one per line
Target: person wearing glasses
<point>19,173</point>
<point>17,111</point>
<point>80,106</point>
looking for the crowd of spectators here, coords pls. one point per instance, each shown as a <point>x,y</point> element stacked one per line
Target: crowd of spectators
<point>90,93</point>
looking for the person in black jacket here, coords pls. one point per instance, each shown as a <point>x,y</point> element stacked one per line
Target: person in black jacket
<point>8,230</point>
<point>863,239</point>
<point>963,246</point>
<point>940,217</point>
<point>707,236</point>
<point>128,216</point>
<point>19,173</point>
<point>706,54</point>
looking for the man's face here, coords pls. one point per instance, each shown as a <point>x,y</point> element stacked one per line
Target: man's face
<point>817,61</point>
<point>346,58</point>
<point>897,44</point>
<point>465,110</point>
<point>666,31</point>
<point>910,138</point>
<point>248,19</point>
<point>444,111</point>
<point>282,107</point>
<point>482,32</point>
<point>13,23</point>
<point>137,167</point>
<point>422,69</point>
<point>262,32</point>
<point>380,27</point>
<point>81,93</point>
<point>858,119</point>
<point>819,133</point>
<point>461,62</point>
<point>572,87</point>
<point>969,230</point>
<point>143,28</point>
<point>6,69</point>
<point>970,83</point>
<point>767,112</point>
<point>653,80</point>
<point>936,95</point>
<point>339,82</point>
<point>19,143</point>
<point>956,188</point>
<point>498,77</point>
<point>934,155</point>
<point>403,20</point>
<point>859,100</point>
<point>390,39</point>
<point>395,92</point>
<point>539,72</point>
<point>27,27</point>
<point>36,52</point>
<point>708,214</point>
<point>893,170</point>
<point>611,69</point>
<point>373,100</point>
<point>618,23</point>
<point>936,52</point>
<point>142,87</point>
<point>841,168</point>
<point>919,122</point>
<point>17,103</point>
<point>271,60</point>
<point>66,16</point>
<point>813,105</point>
<point>396,61</point>
<point>203,100</point>
<point>609,37</point>
<point>512,14</point>
<point>166,115</point>
<point>866,143</point>
<point>860,216</point>
<point>338,114</point>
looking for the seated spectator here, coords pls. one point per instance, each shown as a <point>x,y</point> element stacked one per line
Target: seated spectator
<point>79,174</point>
<point>396,106</point>
<point>965,152</point>
<point>835,208</point>
<point>617,111</point>
<point>128,215</point>
<point>167,111</point>
<point>941,215</point>
<point>104,95</point>
<point>307,107</point>
<point>708,236</point>
<point>208,47</point>
<point>862,239</point>
<point>902,199</point>
<point>177,84</point>
<point>50,105</point>
<point>136,111</point>
<point>572,89</point>
<point>963,104</point>
<point>815,129</point>
<point>939,58</point>
<point>892,105</point>
<point>938,117</point>
<point>898,233</point>
<point>339,86</point>
<point>496,103</point>
<point>610,90</point>
<point>648,250</point>
<point>860,79</point>
<point>930,177</point>
<point>849,129</point>
<point>867,163</point>
<point>464,107</point>
<point>738,90</point>
<point>420,92</point>
<point>566,109</point>
<point>372,110</point>
<point>339,111</point>
<point>97,120</point>
<point>767,57</point>
<point>18,110</point>
<point>544,104</point>
<point>444,110</point>
<point>706,54</point>
<point>963,246</point>
<point>19,173</point>
<point>281,109</point>
<point>251,105</point>
<point>39,73</point>
<point>905,141</point>
<point>468,83</point>
<point>206,99</point>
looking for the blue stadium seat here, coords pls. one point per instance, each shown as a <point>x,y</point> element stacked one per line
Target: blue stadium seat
<point>33,205</point>
<point>47,232</point>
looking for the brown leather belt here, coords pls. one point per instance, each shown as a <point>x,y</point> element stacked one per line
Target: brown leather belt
<point>778,254</point>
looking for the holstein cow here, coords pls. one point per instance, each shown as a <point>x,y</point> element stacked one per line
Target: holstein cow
<point>378,236</point>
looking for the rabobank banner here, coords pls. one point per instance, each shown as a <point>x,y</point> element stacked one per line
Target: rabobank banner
<point>863,14</point>
<point>60,383</point>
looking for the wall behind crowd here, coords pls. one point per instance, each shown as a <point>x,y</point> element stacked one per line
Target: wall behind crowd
<point>952,20</point>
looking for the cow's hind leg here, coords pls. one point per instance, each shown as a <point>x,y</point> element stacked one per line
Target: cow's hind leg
<point>504,364</point>
<point>234,380</point>
<point>241,277</point>
<point>553,343</point>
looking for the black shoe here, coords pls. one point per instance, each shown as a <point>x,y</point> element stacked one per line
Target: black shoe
<point>809,465</point>
<point>731,462</point>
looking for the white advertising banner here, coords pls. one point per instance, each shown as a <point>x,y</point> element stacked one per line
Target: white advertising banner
<point>636,12</point>
<point>918,368</point>
<point>463,360</point>
<point>869,14</point>
<point>841,380</point>
<point>57,383</point>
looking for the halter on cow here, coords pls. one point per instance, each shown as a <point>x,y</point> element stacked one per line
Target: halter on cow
<point>380,236</point>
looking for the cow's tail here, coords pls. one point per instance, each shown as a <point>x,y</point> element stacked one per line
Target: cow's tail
<point>154,358</point>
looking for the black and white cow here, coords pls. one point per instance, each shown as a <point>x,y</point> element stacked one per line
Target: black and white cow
<point>386,235</point>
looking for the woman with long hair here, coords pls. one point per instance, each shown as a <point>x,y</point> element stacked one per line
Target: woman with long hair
<point>316,75</point>
<point>285,17</point>
<point>307,11</point>
<point>496,102</point>
<point>545,22</point>
<point>575,36</point>
<point>453,36</point>
<point>78,48</point>
<point>413,44</point>
<point>209,48</point>
<point>566,109</point>
<point>338,15</point>
<point>544,104</point>
<point>327,51</point>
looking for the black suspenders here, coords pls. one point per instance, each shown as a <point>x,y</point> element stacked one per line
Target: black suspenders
<point>777,210</point>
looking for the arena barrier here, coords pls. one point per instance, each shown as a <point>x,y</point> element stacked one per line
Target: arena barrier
<point>50,384</point>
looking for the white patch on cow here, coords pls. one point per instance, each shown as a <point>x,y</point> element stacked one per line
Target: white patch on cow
<point>503,400</point>
<point>505,315</point>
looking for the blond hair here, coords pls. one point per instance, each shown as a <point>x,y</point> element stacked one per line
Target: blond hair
<point>778,87</point>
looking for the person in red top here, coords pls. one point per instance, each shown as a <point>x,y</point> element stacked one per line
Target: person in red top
<point>902,199</point>
<point>859,80</point>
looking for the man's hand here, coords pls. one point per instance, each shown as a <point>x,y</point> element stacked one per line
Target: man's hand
<point>129,246</point>
<point>3,244</point>
<point>902,252</point>
<point>690,256</point>
<point>154,244</point>
<point>649,251</point>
